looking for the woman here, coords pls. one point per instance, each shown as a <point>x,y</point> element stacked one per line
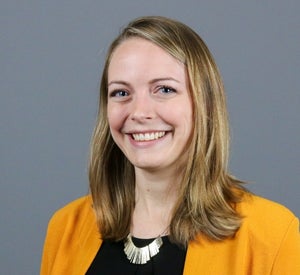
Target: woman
<point>162,200</point>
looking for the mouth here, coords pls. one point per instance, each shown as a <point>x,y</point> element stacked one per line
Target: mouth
<point>148,136</point>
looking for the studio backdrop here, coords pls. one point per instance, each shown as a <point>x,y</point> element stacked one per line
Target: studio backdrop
<point>52,54</point>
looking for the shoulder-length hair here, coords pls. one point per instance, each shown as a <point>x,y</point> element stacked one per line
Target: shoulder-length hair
<point>208,194</point>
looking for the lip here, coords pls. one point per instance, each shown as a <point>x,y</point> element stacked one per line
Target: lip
<point>147,138</point>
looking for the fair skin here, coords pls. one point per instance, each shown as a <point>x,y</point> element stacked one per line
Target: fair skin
<point>150,117</point>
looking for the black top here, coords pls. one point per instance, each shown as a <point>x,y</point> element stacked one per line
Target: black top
<point>111,259</point>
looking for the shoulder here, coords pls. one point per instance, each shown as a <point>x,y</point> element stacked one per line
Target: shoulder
<point>72,215</point>
<point>70,224</point>
<point>266,220</point>
<point>74,207</point>
<point>267,242</point>
<point>72,235</point>
<point>256,208</point>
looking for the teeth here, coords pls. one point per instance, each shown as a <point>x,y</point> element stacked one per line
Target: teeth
<point>148,136</point>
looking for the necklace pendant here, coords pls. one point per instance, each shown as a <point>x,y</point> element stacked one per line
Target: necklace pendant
<point>141,255</point>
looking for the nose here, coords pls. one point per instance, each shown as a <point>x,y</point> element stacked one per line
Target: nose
<point>142,108</point>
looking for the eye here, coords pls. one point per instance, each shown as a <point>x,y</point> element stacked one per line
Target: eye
<point>166,90</point>
<point>118,93</point>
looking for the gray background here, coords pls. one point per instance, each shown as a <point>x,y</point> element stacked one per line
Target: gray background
<point>51,58</point>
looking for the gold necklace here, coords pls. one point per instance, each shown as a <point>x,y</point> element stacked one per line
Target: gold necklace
<point>141,255</point>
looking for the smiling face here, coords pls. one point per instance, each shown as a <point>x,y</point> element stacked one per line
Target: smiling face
<point>149,106</point>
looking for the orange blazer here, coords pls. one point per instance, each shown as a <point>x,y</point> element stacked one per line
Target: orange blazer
<point>268,242</point>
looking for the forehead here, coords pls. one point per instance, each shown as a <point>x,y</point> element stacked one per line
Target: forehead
<point>140,54</point>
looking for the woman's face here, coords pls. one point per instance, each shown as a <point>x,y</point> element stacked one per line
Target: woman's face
<point>149,106</point>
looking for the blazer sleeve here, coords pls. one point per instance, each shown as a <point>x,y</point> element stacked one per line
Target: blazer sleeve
<point>72,239</point>
<point>287,260</point>
<point>51,245</point>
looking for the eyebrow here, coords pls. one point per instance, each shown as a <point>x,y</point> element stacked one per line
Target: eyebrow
<point>163,79</point>
<point>121,82</point>
<point>118,82</point>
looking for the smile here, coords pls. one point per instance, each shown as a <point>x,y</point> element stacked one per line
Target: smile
<point>148,136</point>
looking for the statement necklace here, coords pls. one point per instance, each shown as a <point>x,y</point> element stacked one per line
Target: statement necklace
<point>141,255</point>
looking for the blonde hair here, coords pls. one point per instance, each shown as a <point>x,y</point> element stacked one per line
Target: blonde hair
<point>208,194</point>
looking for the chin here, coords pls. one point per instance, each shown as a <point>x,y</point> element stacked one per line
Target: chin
<point>146,165</point>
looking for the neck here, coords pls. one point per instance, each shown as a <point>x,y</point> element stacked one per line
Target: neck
<point>156,195</point>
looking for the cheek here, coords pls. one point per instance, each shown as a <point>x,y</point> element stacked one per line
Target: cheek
<point>114,126</point>
<point>116,117</point>
<point>179,116</point>
<point>112,121</point>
